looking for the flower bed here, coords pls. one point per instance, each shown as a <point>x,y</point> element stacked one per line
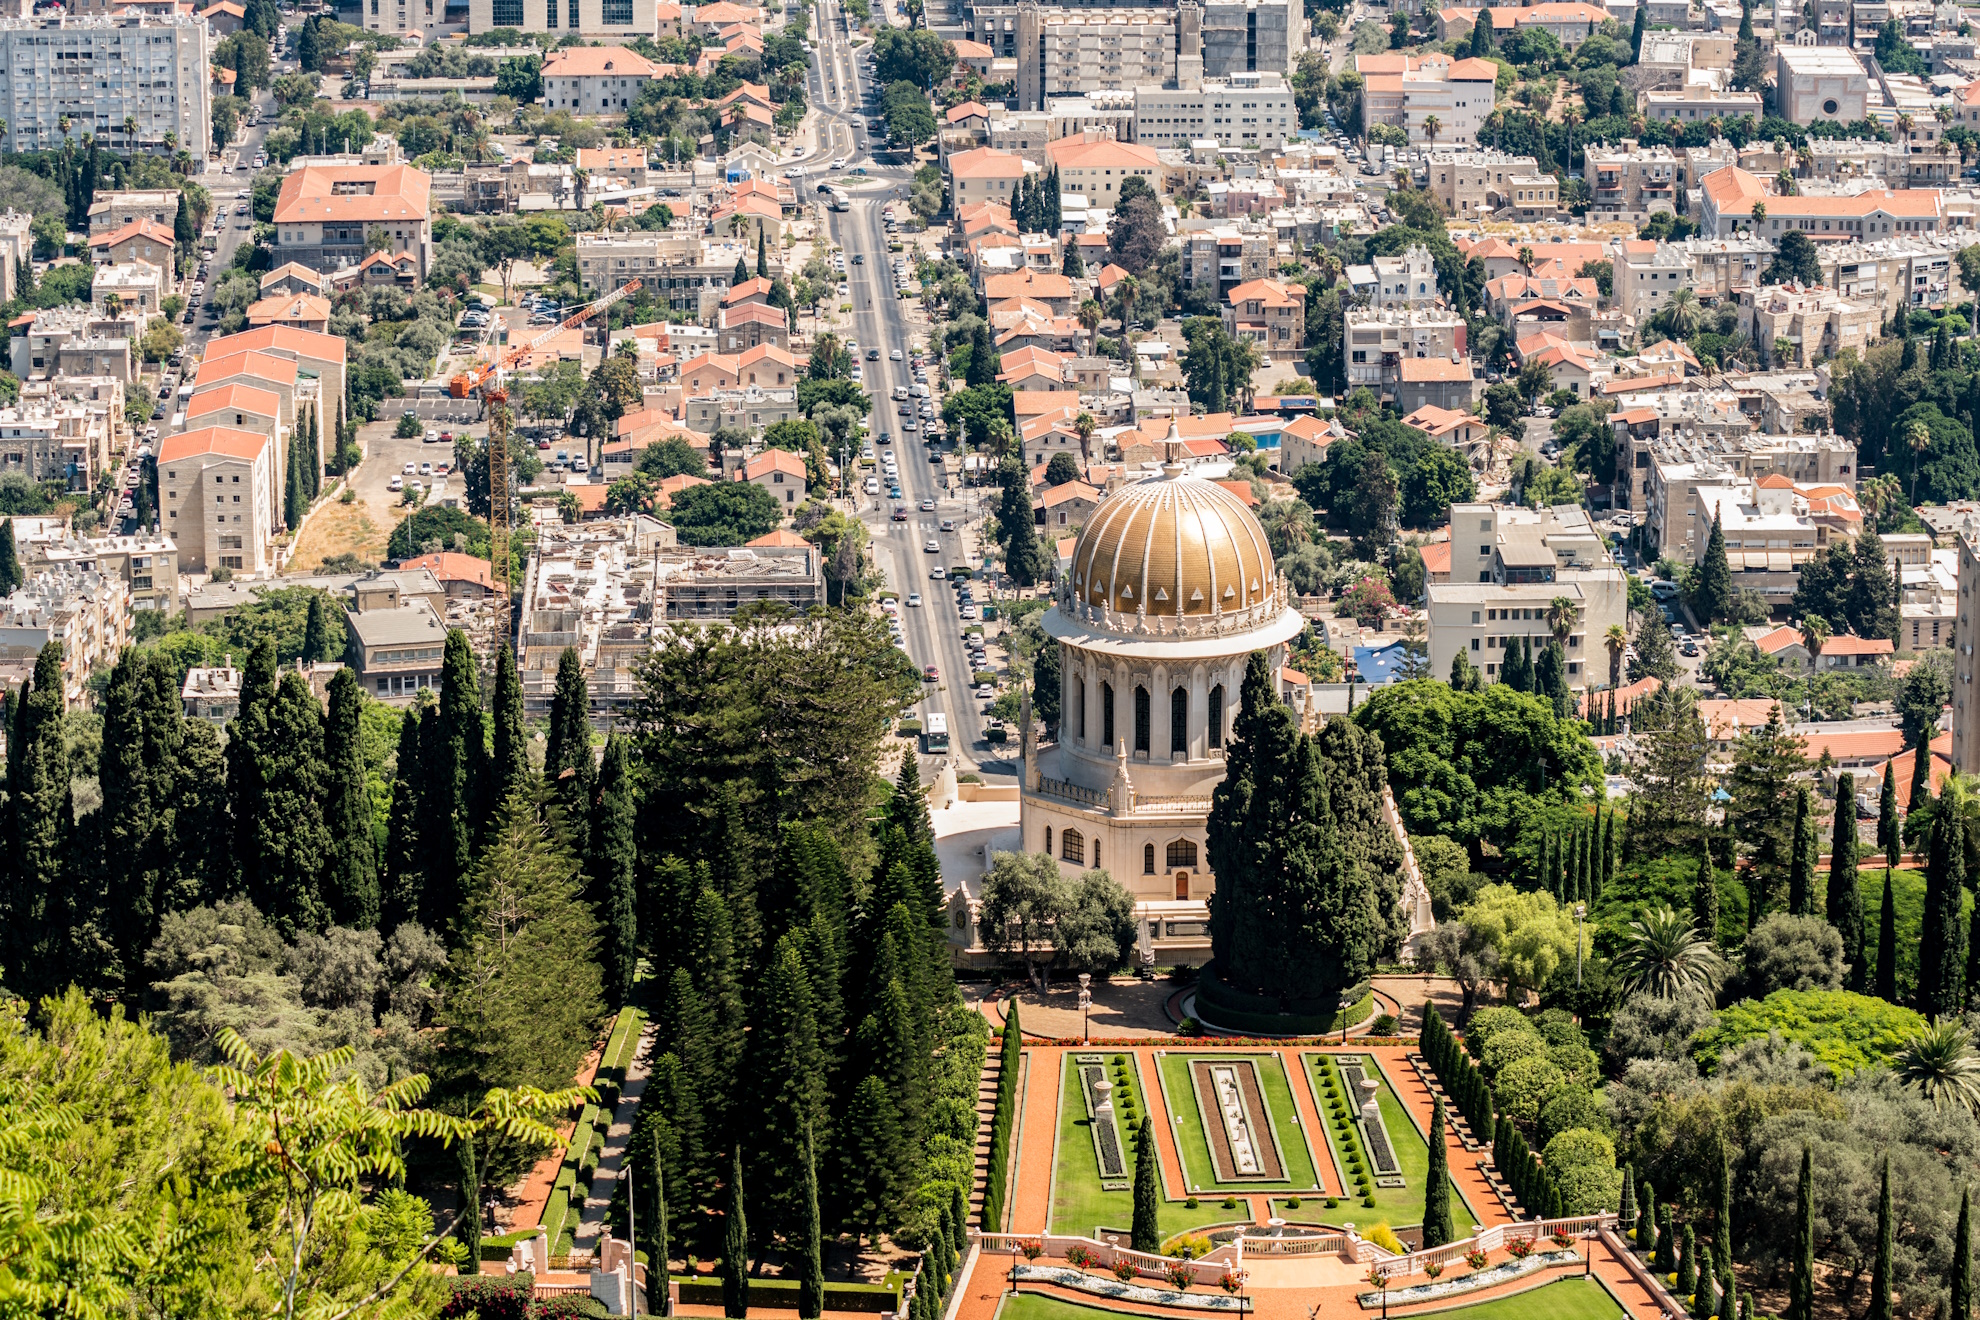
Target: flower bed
<point>1219,1042</point>
<point>1146,1294</point>
<point>1477,1280</point>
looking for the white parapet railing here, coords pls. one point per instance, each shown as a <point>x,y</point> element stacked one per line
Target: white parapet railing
<point>1213,1267</point>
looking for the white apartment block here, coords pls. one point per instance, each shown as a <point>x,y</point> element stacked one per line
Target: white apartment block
<point>1508,565</point>
<point>595,80</point>
<point>684,269</point>
<point>1246,110</point>
<point>591,18</point>
<point>1698,103</point>
<point>1471,181</point>
<point>1632,183</point>
<point>148,563</point>
<point>222,499</point>
<point>16,250</point>
<point>96,72</point>
<point>1433,98</point>
<point>89,613</point>
<point>1644,281</point>
<point>1379,339</point>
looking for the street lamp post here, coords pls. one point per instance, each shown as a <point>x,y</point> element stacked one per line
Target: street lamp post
<point>1341,1006</point>
<point>1580,911</point>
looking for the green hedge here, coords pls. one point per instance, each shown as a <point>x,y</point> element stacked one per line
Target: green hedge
<point>781,1295</point>
<point>1002,1121</point>
<point>498,1248</point>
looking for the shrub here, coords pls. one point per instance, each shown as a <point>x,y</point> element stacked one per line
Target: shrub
<point>1385,1025</point>
<point>1526,1085</point>
<point>1333,1203</point>
<point>1489,1022</point>
<point>1384,1237</point>
<point>1124,1269</point>
<point>1230,1203</point>
<point>1189,1203</point>
<point>1292,1203</point>
<point>1509,1047</point>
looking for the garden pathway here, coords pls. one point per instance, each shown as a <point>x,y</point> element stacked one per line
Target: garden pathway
<point>1309,1119</point>
<point>1031,1185</point>
<point>1477,1189</point>
<point>612,1152</point>
<point>533,1192</point>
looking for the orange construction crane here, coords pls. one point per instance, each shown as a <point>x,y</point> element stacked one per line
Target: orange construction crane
<point>487,379</point>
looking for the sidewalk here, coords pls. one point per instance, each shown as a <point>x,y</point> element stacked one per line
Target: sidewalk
<point>612,1154</point>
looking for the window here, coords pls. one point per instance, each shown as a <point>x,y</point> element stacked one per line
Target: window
<point>616,13</point>
<point>1079,707</point>
<point>1179,722</point>
<point>1140,718</point>
<point>1148,859</point>
<point>1216,725</point>
<point>506,13</point>
<point>1182,855</point>
<point>550,13</point>
<point>1107,715</point>
<point>1072,847</point>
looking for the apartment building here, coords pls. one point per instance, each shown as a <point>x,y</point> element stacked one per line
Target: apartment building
<point>1508,567</point>
<point>1225,256</point>
<point>16,250</point>
<point>1700,103</point>
<point>1820,82</point>
<point>1433,97</point>
<point>1773,512</point>
<point>1472,182</point>
<point>327,215</point>
<point>1902,271</point>
<point>1096,166</point>
<point>751,408</point>
<point>686,270</point>
<point>595,80</point>
<point>1379,340</point>
<point>1245,110</point>
<point>138,287</point>
<point>1270,314</point>
<point>1800,327</point>
<point>89,613</point>
<point>1729,195</point>
<point>1631,183</point>
<point>1646,273</point>
<point>72,341</point>
<point>110,209</point>
<point>986,175</point>
<point>1720,267</point>
<point>222,498</point>
<point>1072,50</point>
<point>147,563</point>
<point>623,19</point>
<point>1408,279</point>
<point>318,356</point>
<point>62,77</point>
<point>1658,438</point>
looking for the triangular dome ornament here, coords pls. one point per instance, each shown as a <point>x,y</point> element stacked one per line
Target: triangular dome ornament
<point>1161,593</point>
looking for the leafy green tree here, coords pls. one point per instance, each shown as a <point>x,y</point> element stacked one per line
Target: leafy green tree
<point>1794,262</point>
<point>723,513</point>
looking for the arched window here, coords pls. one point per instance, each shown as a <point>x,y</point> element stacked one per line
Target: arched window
<point>1107,716</point>
<point>1182,854</point>
<point>1179,722</point>
<point>1072,847</point>
<point>1216,725</point>
<point>1148,859</point>
<point>1140,718</point>
<point>1079,707</point>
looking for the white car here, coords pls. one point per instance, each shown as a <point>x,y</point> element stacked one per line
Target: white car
<point>410,469</point>
<point>873,485</point>
<point>396,483</point>
<point>933,546</point>
<point>914,600</point>
<point>938,573</point>
<point>839,163</point>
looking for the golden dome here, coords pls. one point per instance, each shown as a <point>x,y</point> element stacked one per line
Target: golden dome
<point>1178,547</point>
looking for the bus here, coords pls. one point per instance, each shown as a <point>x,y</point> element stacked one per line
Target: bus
<point>935,734</point>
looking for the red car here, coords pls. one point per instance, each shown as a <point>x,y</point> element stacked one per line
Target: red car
<point>900,513</point>
<point>931,674</point>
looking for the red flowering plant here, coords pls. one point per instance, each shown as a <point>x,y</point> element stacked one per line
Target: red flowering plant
<point>1433,1269</point>
<point>1475,1258</point>
<point>1079,1257</point>
<point>1232,1281</point>
<point>1124,1269</point>
<point>1032,1249</point>
<point>1180,1275</point>
<point>1520,1248</point>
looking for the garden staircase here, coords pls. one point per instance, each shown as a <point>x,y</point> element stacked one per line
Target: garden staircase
<point>986,1109</point>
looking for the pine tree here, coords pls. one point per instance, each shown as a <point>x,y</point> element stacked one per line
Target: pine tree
<point>11,576</point>
<point>1147,1235</point>
<point>1711,588</point>
<point>735,1244</point>
<point>1801,864</point>
<point>1942,942</point>
<point>1801,1289</point>
<point>784,1069</point>
<point>1880,1271</point>
<point>609,867</point>
<point>456,766</point>
<point>1437,1229</point>
<point>1921,774</point>
<point>1705,896</point>
<point>403,863</point>
<point>509,766</point>
<point>568,764</point>
<point>38,781</point>
<point>810,1241</point>
<point>1959,1287</point>
<point>470,1196</point>
<point>1887,944</point>
<point>1722,1227</point>
<point>351,885</point>
<point>1844,901</point>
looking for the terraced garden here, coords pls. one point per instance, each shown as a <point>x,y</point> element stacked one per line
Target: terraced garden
<point>1269,1121</point>
<point>1400,1203</point>
<point>1081,1200</point>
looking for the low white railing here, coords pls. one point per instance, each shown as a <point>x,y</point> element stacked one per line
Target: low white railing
<point>1104,1256</point>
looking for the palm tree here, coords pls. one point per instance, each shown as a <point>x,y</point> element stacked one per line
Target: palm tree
<point>1665,957</point>
<point>1904,124</point>
<point>1814,631</point>
<point>1681,314</point>
<point>1526,257</point>
<point>1126,293</point>
<point>1083,426</point>
<point>130,134</point>
<point>1089,319</point>
<point>1431,127</point>
<point>1617,640</point>
<point>1759,217</point>
<point>1804,157</point>
<point>1784,182</point>
<point>1941,1064</point>
<point>1918,438</point>
<point>1562,615</point>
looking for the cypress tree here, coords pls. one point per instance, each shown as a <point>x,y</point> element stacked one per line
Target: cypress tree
<point>1844,905</point>
<point>658,1252</point>
<point>247,734</point>
<point>351,886</point>
<point>1801,863</point>
<point>810,1245</point>
<point>1687,1272</point>
<point>470,1193</point>
<point>1646,1223</point>
<point>1942,952</point>
<point>568,764</point>
<point>294,504</point>
<point>316,644</point>
<point>1959,1287</point>
<point>11,576</point>
<point>1887,944</point>
<point>509,767</point>
<point>1705,896</point>
<point>1722,1229</point>
<point>762,266</point>
<point>404,851</point>
<point>1608,854</point>
<point>1880,1271</point>
<point>1887,809</point>
<point>1711,593</point>
<point>735,1244</point>
<point>1705,1302</point>
<point>1921,773</point>
<point>609,867</point>
<point>1437,1229</point>
<point>1666,1260</point>
<point>456,765</point>
<point>1801,1289</point>
<point>1147,1235</point>
<point>38,778</point>
<point>1728,1290</point>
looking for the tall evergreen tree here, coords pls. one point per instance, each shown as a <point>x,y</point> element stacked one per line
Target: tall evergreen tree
<point>1880,1270</point>
<point>350,887</point>
<point>1711,586</point>
<point>762,264</point>
<point>1705,896</point>
<point>609,867</point>
<point>809,1239</point>
<point>1844,901</point>
<point>1437,1228</point>
<point>1147,1235</point>
<point>1887,944</point>
<point>38,782</point>
<point>1722,1224</point>
<point>1942,940</point>
<point>1801,863</point>
<point>456,763</point>
<point>11,576</point>
<point>1687,1270</point>
<point>316,643</point>
<point>658,1230</point>
<point>509,766</point>
<point>735,1244</point>
<point>1959,1286</point>
<point>1921,774</point>
<point>568,764</point>
<point>403,864</point>
<point>469,1230</point>
<point>1887,810</point>
<point>1801,1287</point>
<point>784,1069</point>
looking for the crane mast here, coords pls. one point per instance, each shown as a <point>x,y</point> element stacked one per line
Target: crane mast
<point>487,380</point>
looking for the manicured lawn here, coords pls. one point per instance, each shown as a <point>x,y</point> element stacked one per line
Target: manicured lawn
<point>1908,897</point>
<point>1179,1093</point>
<point>1567,1299</point>
<point>1399,1207</point>
<point>1079,1204</point>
